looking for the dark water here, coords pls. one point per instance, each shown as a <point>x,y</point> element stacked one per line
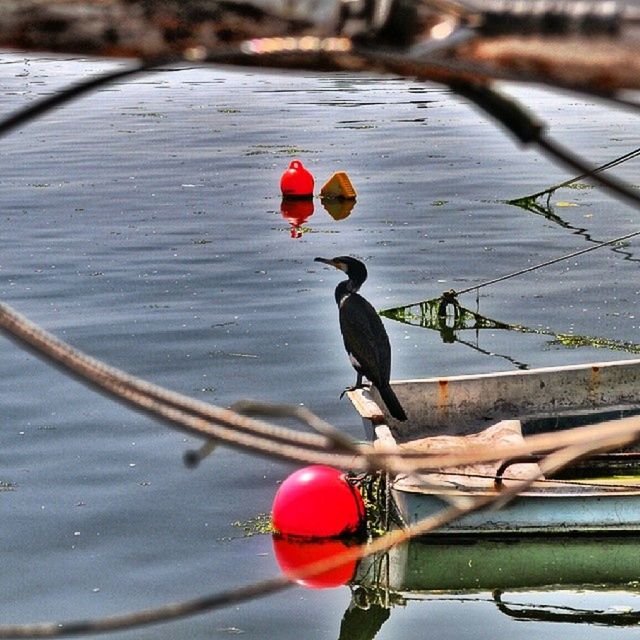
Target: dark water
<point>143,225</point>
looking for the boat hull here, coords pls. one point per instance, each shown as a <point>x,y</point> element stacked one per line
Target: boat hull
<point>531,514</point>
<point>474,565</point>
<point>498,410</point>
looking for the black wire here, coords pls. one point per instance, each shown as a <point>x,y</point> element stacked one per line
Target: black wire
<point>395,60</point>
<point>505,110</point>
<point>547,263</point>
<point>564,155</point>
<point>147,617</point>
<point>608,165</point>
<point>40,107</point>
<point>528,130</point>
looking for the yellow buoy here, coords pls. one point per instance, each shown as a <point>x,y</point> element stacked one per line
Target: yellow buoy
<point>338,186</point>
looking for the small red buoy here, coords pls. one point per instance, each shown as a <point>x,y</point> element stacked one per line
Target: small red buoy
<point>294,555</point>
<point>296,181</point>
<point>318,502</point>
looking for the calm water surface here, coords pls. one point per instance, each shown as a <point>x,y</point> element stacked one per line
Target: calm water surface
<point>143,225</point>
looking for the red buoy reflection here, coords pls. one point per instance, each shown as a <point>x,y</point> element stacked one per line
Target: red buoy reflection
<point>296,213</point>
<point>294,554</point>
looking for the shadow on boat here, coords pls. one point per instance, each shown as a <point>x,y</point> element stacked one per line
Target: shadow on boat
<point>449,318</point>
<point>534,578</point>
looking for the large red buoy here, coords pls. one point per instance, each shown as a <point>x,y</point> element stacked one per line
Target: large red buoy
<point>294,555</point>
<point>318,502</point>
<point>296,181</point>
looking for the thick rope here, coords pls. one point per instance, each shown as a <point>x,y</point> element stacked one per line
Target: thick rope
<point>210,422</point>
<point>198,418</point>
<point>550,464</point>
<point>576,443</point>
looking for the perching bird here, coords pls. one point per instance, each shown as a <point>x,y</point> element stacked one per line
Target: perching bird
<point>364,335</point>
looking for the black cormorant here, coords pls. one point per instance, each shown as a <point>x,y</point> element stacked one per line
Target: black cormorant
<point>365,338</point>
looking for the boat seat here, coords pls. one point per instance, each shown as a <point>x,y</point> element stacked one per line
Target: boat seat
<point>468,477</point>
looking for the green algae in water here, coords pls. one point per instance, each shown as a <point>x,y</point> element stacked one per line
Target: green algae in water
<point>571,341</point>
<point>379,507</point>
<point>372,489</point>
<point>271,149</point>
<point>580,186</point>
<point>449,318</point>
<point>258,525</point>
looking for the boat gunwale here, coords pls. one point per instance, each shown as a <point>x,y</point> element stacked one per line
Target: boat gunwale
<point>541,494</point>
<point>607,364</point>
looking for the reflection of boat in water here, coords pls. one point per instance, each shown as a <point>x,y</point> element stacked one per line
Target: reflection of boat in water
<point>466,565</point>
<point>568,579</point>
<point>601,494</point>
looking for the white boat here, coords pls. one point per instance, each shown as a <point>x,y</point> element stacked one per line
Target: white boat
<point>449,413</point>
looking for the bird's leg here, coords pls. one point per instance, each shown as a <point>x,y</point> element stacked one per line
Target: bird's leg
<point>357,385</point>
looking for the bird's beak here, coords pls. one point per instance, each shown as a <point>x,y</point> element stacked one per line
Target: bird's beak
<point>331,262</point>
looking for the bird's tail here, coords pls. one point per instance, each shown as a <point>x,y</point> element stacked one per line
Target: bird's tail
<point>391,401</point>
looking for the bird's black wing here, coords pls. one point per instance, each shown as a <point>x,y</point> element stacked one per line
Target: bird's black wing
<point>365,338</point>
